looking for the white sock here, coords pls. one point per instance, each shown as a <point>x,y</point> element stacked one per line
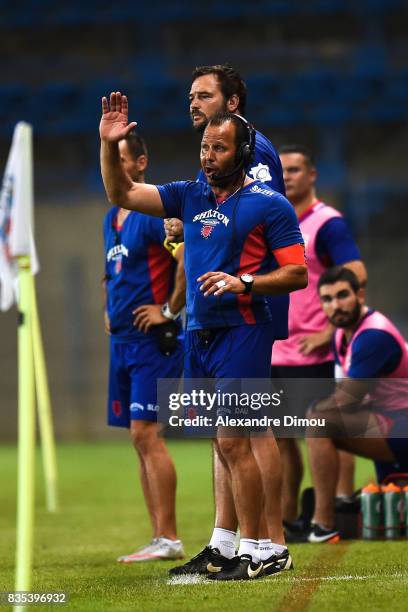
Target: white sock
<point>168,541</point>
<point>279,548</point>
<point>249,547</point>
<point>224,540</point>
<point>265,548</point>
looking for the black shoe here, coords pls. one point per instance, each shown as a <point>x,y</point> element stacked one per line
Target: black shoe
<point>240,568</point>
<point>278,562</point>
<point>320,534</point>
<point>295,532</point>
<point>207,561</point>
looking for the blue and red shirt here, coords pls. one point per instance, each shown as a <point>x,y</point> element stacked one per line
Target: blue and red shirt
<point>138,269</point>
<point>237,236</point>
<point>267,168</point>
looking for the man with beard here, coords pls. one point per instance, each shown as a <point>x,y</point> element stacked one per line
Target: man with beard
<point>307,355</point>
<point>217,89</point>
<point>228,317</point>
<point>367,346</point>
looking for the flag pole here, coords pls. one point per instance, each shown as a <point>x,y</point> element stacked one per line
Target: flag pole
<point>26,433</point>
<point>44,409</point>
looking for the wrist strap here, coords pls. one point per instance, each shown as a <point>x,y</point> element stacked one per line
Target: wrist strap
<point>166,312</point>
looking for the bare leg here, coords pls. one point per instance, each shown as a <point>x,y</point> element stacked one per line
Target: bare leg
<point>266,452</point>
<point>225,515</point>
<point>324,464</point>
<point>159,470</point>
<point>292,468</point>
<point>246,483</point>
<point>147,495</point>
<point>345,485</point>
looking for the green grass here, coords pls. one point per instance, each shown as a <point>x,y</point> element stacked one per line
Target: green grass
<point>102,516</point>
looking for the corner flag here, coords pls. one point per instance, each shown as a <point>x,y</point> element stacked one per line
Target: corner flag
<point>16,215</point>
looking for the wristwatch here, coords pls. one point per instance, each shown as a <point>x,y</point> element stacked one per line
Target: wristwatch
<point>166,312</point>
<point>248,281</point>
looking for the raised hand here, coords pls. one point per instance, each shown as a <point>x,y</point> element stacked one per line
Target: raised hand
<point>114,124</point>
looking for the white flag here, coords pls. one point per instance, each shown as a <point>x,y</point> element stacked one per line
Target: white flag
<point>16,214</point>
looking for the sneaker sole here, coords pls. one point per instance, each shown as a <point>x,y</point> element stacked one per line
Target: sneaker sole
<point>149,558</point>
<point>334,539</point>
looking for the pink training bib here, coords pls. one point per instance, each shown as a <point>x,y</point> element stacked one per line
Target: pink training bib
<point>305,313</point>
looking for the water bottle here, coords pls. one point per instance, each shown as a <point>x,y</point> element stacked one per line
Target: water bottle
<point>405,521</point>
<point>371,509</point>
<point>392,511</point>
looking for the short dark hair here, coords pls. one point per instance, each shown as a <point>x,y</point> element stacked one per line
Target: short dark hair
<point>230,82</point>
<point>298,148</point>
<point>338,273</point>
<point>241,131</point>
<point>136,145</point>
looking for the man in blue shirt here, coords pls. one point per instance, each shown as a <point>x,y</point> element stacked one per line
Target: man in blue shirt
<point>242,242</point>
<point>139,280</point>
<point>217,89</point>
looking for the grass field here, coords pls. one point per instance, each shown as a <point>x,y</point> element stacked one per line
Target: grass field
<point>102,516</point>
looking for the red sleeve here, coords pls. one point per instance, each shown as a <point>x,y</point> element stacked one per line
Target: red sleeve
<point>293,254</point>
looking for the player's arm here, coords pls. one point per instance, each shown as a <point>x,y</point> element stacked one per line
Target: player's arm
<point>155,314</point>
<point>290,276</point>
<point>120,189</point>
<point>105,305</point>
<point>177,299</point>
<point>335,241</point>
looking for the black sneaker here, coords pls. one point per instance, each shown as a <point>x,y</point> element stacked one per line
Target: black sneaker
<point>320,534</point>
<point>277,562</point>
<point>240,568</point>
<point>209,560</point>
<point>295,532</point>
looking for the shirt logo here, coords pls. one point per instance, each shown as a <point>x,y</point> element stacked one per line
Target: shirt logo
<point>260,173</point>
<point>117,252</point>
<point>267,192</point>
<point>206,230</point>
<point>215,216</point>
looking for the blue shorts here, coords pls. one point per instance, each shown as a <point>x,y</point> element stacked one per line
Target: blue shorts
<point>243,351</point>
<point>133,373</point>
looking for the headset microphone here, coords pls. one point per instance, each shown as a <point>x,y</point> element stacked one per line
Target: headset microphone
<point>221,177</point>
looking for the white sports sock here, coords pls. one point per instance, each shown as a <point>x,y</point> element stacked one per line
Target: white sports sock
<point>249,547</point>
<point>168,541</point>
<point>279,548</point>
<point>265,548</point>
<point>224,540</point>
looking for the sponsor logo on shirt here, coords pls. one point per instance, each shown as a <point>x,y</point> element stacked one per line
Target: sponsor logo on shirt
<point>209,219</point>
<point>212,214</point>
<point>117,251</point>
<point>268,192</point>
<point>260,173</point>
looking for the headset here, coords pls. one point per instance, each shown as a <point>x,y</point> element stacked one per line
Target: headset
<point>245,153</point>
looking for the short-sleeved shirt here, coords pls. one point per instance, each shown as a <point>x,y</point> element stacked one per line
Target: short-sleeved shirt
<point>234,237</point>
<point>138,269</point>
<point>335,245</point>
<point>267,168</point>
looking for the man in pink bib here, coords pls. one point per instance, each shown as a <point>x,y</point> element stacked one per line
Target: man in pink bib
<point>367,414</point>
<point>306,354</point>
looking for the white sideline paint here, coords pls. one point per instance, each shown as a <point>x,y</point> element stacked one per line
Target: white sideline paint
<point>197,579</point>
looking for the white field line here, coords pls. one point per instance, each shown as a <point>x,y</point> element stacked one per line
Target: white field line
<point>197,579</point>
